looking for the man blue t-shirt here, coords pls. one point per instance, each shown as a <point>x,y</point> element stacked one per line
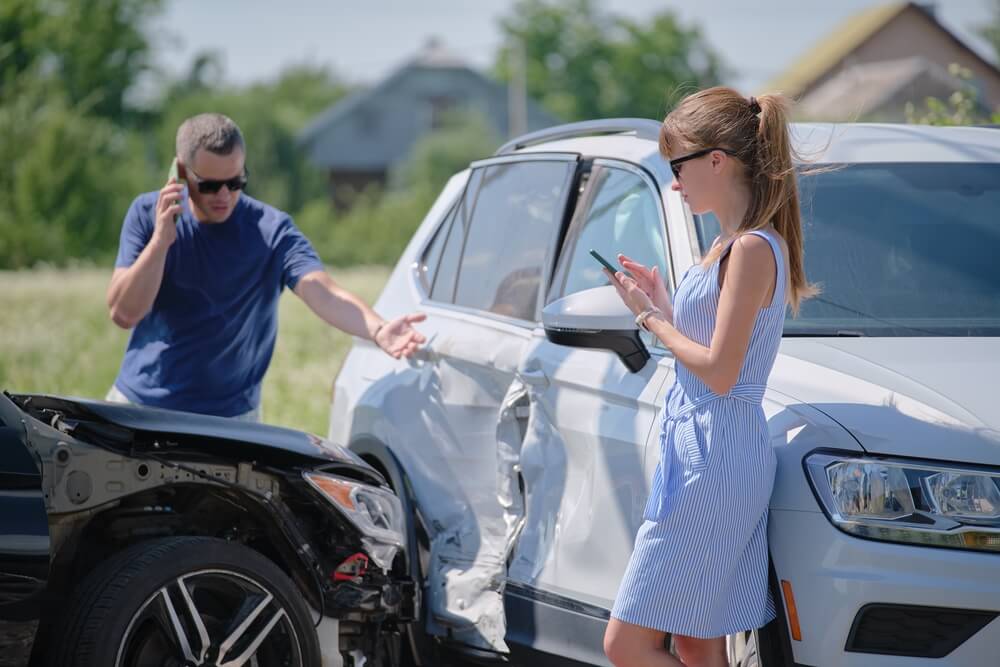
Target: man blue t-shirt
<point>207,341</point>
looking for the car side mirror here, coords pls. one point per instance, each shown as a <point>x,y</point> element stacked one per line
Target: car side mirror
<point>596,318</point>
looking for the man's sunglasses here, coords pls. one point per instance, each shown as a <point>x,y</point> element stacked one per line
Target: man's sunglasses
<point>675,164</point>
<point>208,186</point>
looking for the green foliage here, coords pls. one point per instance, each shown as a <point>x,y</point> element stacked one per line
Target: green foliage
<point>95,50</point>
<point>74,177</point>
<point>961,108</point>
<point>991,31</point>
<point>582,63</point>
<point>373,231</point>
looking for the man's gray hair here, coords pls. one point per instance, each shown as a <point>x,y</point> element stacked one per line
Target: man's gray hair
<point>211,131</point>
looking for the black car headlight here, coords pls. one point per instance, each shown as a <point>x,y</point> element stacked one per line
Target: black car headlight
<point>915,502</point>
<point>375,511</point>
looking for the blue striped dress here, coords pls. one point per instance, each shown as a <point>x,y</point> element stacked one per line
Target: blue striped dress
<point>699,567</point>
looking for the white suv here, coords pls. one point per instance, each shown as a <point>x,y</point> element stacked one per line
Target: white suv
<point>523,438</point>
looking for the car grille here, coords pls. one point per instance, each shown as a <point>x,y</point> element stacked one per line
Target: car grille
<point>926,632</point>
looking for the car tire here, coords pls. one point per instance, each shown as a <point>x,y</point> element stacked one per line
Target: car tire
<point>158,601</point>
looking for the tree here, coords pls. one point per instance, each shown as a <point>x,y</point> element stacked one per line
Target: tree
<point>961,108</point>
<point>991,31</point>
<point>71,163</point>
<point>581,63</point>
<point>94,50</point>
<point>74,175</point>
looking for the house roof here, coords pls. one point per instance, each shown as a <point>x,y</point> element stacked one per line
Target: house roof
<point>834,48</point>
<point>332,140</point>
<point>433,55</point>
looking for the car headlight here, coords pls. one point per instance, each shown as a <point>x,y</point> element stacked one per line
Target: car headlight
<point>896,500</point>
<point>376,512</point>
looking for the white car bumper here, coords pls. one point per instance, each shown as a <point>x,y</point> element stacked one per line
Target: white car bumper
<point>833,575</point>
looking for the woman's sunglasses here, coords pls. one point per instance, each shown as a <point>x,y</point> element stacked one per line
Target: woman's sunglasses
<point>675,164</point>
<point>210,187</point>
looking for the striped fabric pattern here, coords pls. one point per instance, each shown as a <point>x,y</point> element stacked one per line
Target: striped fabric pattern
<point>699,567</point>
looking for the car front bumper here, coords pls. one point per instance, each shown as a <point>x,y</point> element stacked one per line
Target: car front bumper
<point>834,576</point>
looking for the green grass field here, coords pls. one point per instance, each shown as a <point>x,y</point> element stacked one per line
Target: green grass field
<point>56,337</point>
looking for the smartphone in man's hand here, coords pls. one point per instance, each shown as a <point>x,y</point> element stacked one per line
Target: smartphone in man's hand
<point>174,176</point>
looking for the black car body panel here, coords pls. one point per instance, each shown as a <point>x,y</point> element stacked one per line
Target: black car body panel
<point>24,547</point>
<point>217,436</point>
<point>81,480</point>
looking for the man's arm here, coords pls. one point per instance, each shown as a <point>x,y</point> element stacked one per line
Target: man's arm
<point>133,289</point>
<point>344,310</point>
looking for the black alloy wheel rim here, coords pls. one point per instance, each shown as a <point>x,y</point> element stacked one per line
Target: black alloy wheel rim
<point>211,618</point>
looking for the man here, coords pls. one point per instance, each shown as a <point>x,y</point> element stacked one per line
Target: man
<point>201,295</point>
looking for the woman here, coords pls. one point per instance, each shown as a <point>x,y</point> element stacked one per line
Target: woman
<point>699,567</point>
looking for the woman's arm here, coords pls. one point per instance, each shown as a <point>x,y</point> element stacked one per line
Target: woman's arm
<point>651,282</point>
<point>750,274</point>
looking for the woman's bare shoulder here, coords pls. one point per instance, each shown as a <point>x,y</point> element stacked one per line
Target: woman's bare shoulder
<point>752,248</point>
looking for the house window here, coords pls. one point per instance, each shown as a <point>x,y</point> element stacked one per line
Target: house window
<point>441,106</point>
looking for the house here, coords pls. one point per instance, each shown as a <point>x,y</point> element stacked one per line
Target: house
<point>880,59</point>
<point>358,139</point>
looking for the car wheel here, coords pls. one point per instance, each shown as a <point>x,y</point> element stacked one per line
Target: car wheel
<point>188,601</point>
<point>743,650</point>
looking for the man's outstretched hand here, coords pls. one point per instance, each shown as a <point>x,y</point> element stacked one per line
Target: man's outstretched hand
<point>398,338</point>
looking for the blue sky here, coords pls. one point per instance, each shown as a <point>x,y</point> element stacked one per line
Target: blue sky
<point>365,40</point>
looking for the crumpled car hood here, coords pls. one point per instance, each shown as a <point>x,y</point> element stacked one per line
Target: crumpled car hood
<point>933,398</point>
<point>217,436</point>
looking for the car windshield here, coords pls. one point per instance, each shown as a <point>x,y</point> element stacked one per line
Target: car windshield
<point>898,249</point>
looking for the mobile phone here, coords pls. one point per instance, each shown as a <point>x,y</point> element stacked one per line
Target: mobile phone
<point>174,176</point>
<point>606,263</point>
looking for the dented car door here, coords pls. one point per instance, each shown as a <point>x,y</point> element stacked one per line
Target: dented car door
<point>495,252</point>
<point>583,457</point>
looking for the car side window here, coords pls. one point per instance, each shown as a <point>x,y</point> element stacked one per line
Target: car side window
<point>708,229</point>
<point>431,257</point>
<point>619,212</point>
<point>443,282</point>
<point>517,215</point>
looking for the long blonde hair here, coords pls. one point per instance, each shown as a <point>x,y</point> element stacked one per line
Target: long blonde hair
<point>755,130</point>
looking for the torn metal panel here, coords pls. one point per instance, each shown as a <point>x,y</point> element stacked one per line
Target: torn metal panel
<point>582,459</point>
<point>514,413</point>
<point>542,464</point>
<point>440,418</point>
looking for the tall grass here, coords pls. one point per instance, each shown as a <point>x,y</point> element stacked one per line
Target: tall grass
<point>55,337</point>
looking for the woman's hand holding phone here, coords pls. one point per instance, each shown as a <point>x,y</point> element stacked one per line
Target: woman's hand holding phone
<point>649,281</point>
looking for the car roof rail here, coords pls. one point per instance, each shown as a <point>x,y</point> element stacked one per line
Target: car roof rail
<point>644,128</point>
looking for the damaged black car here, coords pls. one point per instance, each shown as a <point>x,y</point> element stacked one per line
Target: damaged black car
<point>132,536</point>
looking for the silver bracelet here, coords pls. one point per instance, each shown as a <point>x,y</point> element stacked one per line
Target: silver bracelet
<point>640,319</point>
